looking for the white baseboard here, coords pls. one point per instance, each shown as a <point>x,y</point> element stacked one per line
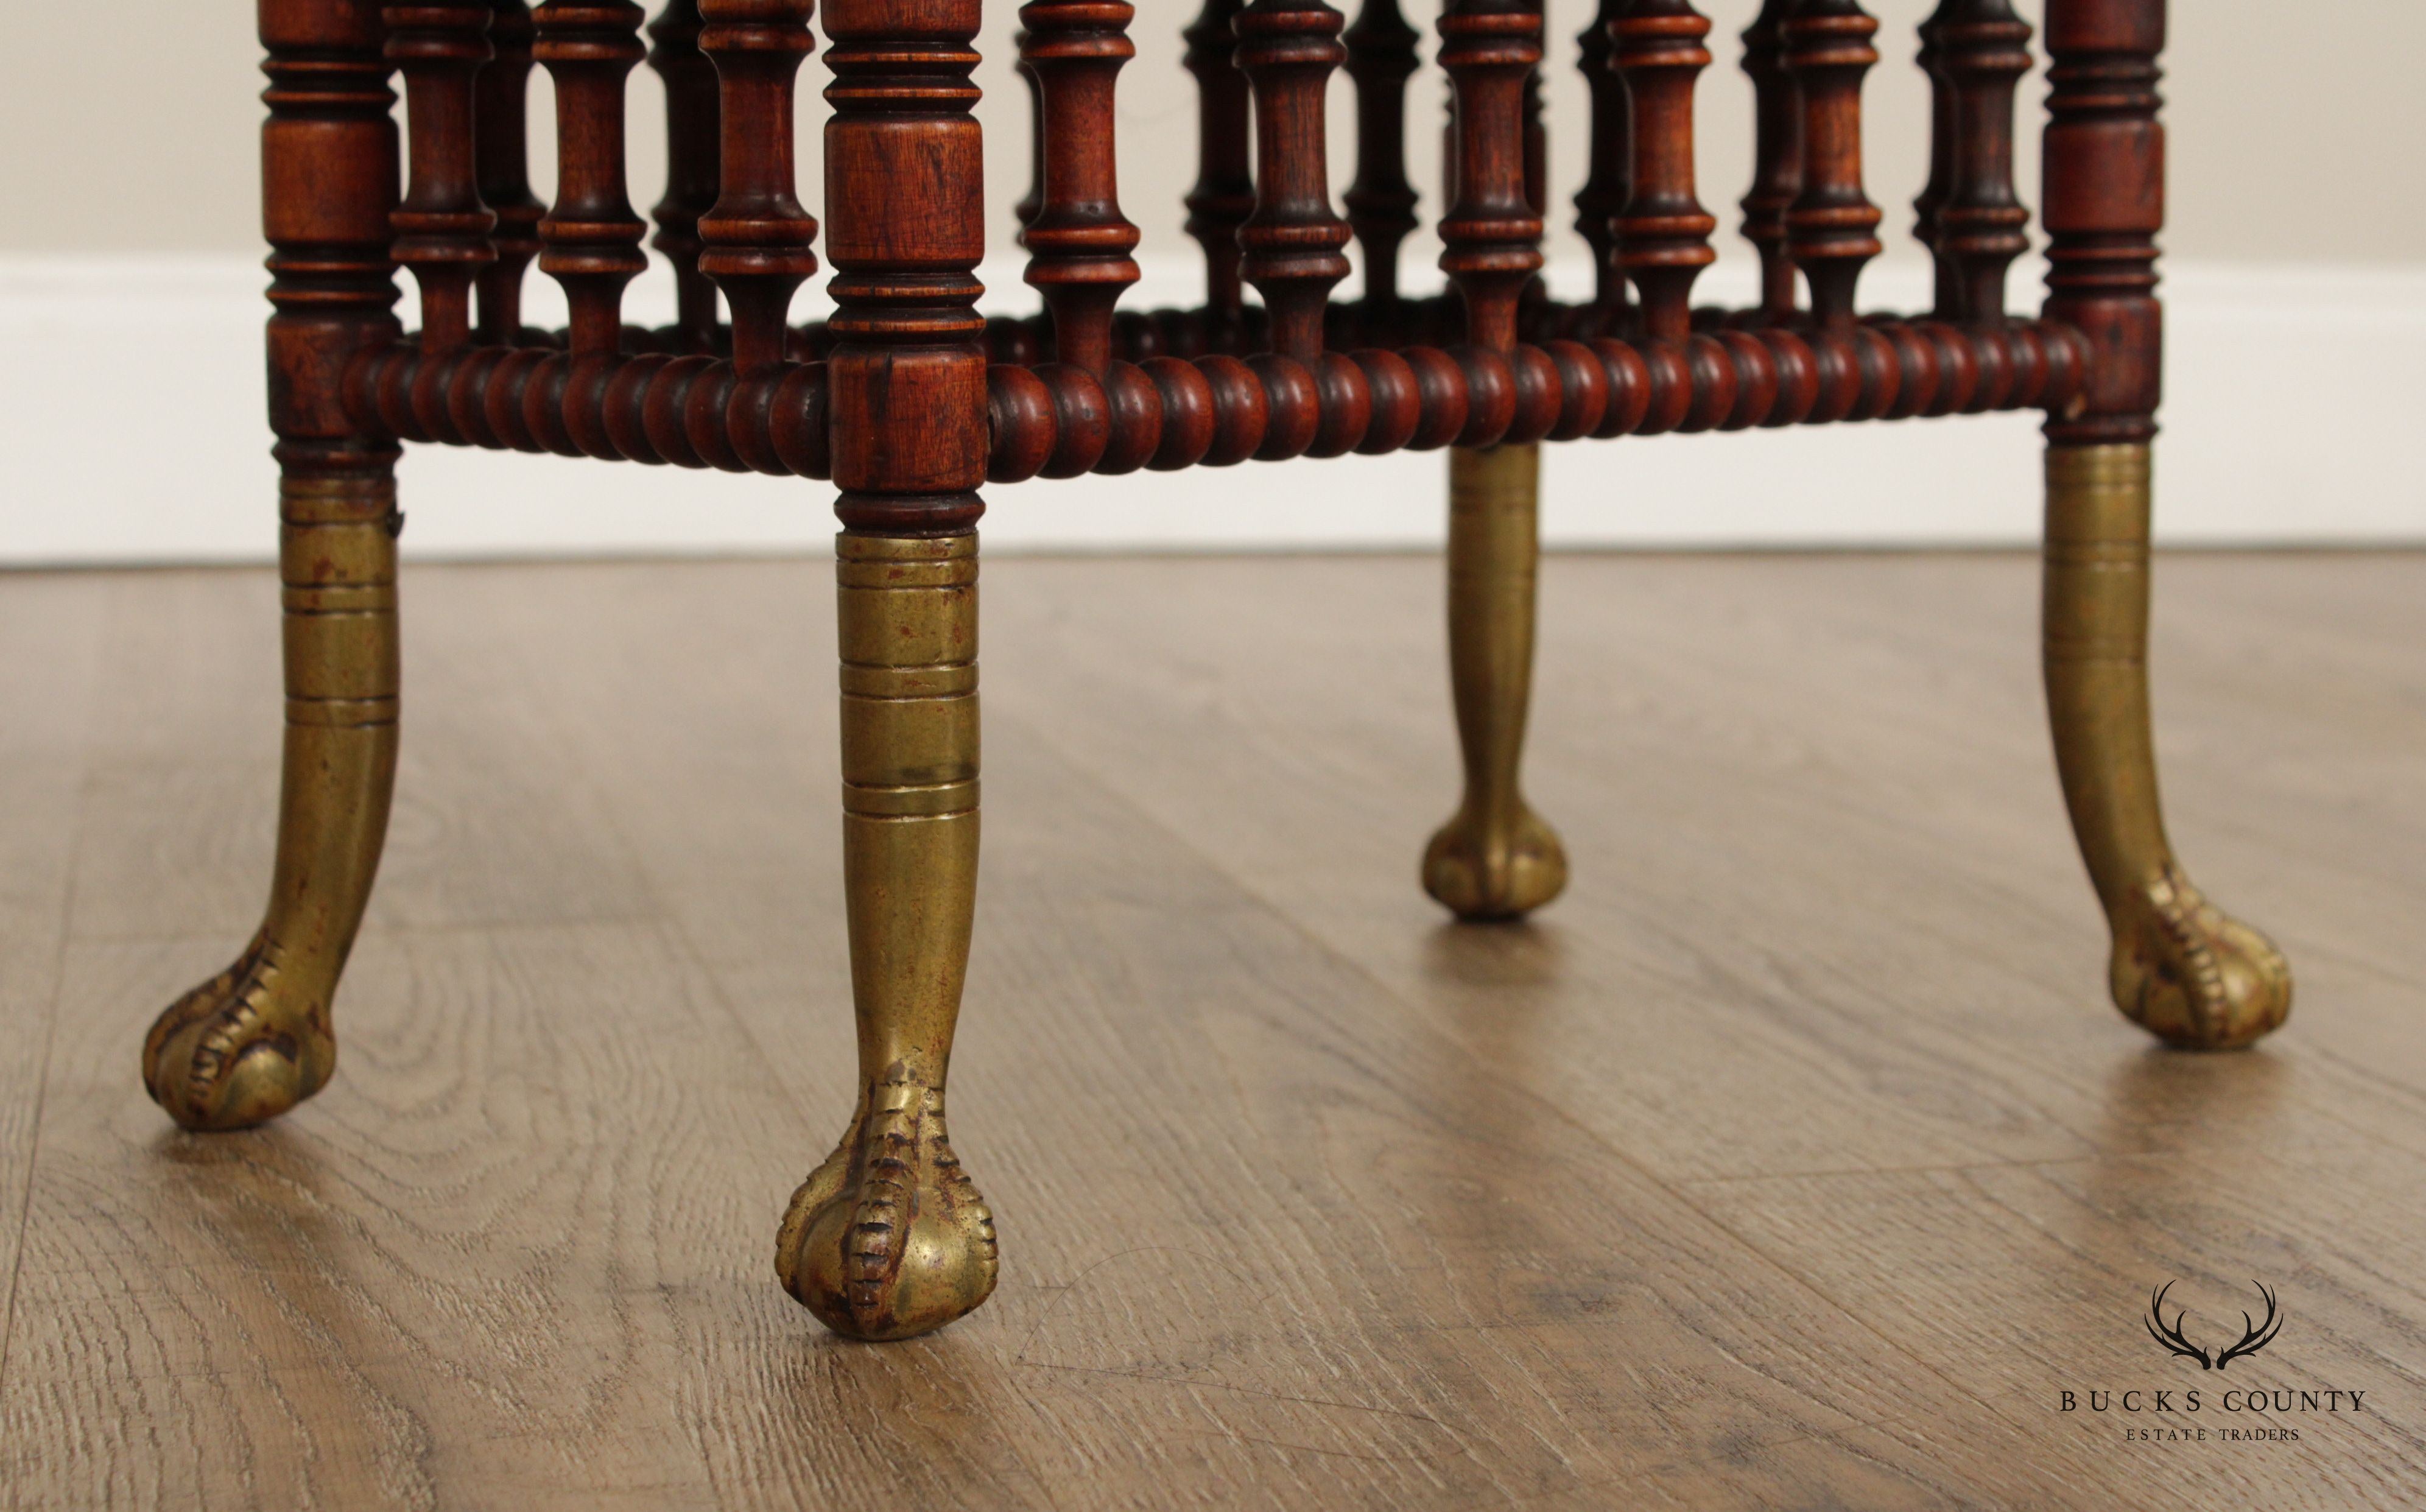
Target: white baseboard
<point>131,419</point>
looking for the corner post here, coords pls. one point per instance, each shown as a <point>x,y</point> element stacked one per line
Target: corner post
<point>2180,967</point>
<point>256,1039</point>
<point>889,1238</point>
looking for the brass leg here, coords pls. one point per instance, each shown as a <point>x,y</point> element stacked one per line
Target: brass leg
<point>888,1238</point>
<point>1495,858</point>
<point>255,1040</point>
<point>2190,975</point>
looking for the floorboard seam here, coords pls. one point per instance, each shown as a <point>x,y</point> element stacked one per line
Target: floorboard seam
<point>50,996</point>
<point>668,923</point>
<point>34,1141</point>
<point>668,920</point>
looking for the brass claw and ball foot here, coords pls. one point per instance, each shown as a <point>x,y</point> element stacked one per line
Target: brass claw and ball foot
<point>242,1047</point>
<point>1485,865</point>
<point>255,1040</point>
<point>2181,967</point>
<point>2191,974</point>
<point>889,1238</point>
<point>1496,859</point>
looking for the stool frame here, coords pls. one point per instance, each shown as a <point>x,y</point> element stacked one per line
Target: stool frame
<point>909,402</point>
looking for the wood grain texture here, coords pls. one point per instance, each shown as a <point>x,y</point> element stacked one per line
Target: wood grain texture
<point>43,744</point>
<point>1793,1160</point>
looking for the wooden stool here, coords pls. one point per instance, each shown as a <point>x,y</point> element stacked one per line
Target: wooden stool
<point>909,401</point>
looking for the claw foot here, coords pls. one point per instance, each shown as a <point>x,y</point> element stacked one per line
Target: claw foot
<point>1477,874</point>
<point>242,1047</point>
<point>2192,975</point>
<point>889,1238</point>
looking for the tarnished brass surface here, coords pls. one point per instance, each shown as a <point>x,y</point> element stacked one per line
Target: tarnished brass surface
<point>255,1040</point>
<point>2181,967</point>
<point>888,1238</point>
<point>1495,858</point>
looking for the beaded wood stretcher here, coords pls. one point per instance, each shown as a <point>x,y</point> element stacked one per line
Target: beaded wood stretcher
<point>908,402</point>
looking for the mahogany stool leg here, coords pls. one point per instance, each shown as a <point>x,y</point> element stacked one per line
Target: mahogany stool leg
<point>255,1040</point>
<point>2181,967</point>
<point>1495,858</point>
<point>889,1238</point>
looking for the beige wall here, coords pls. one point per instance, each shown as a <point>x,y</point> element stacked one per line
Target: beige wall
<point>2294,126</point>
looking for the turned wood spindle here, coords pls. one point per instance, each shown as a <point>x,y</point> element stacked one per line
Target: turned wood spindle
<point>1934,194</point>
<point>756,240</point>
<point>1224,194</point>
<point>1537,153</point>
<point>1778,156</point>
<point>691,168</point>
<point>1664,233</point>
<point>1970,217</point>
<point>1033,201</point>
<point>1608,180</point>
<point>501,98</point>
<point>1537,134</point>
<point>1288,50</point>
<point>1830,227</point>
<point>1382,58</point>
<point>441,228</point>
<point>590,235</point>
<point>1079,239</point>
<point>1492,230</point>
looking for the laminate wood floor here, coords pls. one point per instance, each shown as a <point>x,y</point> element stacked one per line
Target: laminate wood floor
<point>1793,1160</point>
